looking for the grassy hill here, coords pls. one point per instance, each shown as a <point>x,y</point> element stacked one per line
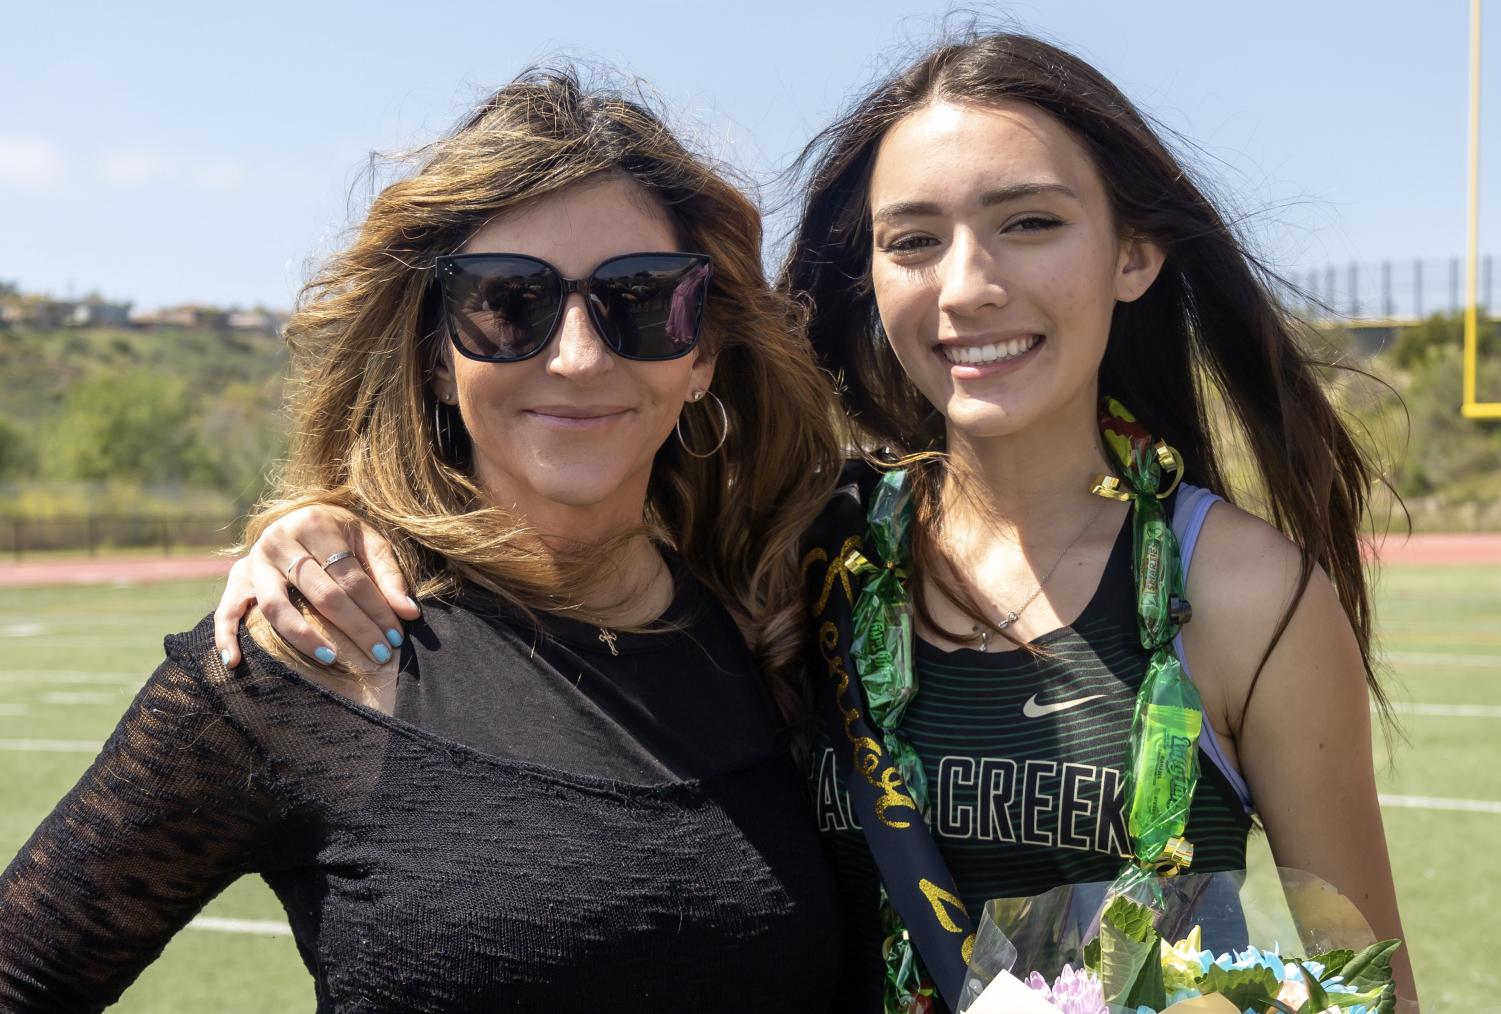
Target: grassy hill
<point>133,422</point>
<point>124,421</point>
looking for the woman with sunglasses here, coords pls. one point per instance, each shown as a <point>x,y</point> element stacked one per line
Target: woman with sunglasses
<point>567,786</point>
<point>992,240</point>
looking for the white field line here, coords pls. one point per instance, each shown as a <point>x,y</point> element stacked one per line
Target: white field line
<point>79,697</point>
<point>1455,661</point>
<point>1449,710</point>
<point>50,746</point>
<point>71,676</point>
<point>1437,803</point>
<point>256,927</point>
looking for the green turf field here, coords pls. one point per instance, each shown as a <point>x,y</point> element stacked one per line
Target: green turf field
<point>71,658</point>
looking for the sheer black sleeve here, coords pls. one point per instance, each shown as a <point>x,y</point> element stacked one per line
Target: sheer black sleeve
<point>177,805</point>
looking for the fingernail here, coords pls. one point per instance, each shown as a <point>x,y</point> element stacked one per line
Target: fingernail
<point>394,636</point>
<point>413,603</point>
<point>324,655</point>
<point>380,652</point>
<point>224,657</point>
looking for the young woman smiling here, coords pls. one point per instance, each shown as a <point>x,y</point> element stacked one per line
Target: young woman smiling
<point>992,240</point>
<point>1024,245</point>
<point>568,788</point>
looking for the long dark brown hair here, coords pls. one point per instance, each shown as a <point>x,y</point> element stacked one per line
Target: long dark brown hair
<point>363,343</point>
<point>1209,337</point>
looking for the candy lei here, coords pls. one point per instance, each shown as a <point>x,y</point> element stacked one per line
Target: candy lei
<point>1167,719</point>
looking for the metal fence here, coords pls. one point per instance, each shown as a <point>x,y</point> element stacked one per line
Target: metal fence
<point>1389,290</point>
<point>94,533</point>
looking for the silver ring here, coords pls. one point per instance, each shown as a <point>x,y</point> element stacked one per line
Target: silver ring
<point>341,555</point>
<point>293,565</point>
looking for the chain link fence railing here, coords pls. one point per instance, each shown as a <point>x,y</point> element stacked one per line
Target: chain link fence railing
<point>96,533</point>
<point>1393,290</point>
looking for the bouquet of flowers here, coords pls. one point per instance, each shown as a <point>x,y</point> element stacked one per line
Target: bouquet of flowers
<point>1180,944</point>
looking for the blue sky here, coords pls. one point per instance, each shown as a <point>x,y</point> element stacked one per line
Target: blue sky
<point>165,152</point>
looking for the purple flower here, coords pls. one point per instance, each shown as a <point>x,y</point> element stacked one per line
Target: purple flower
<point>1073,992</point>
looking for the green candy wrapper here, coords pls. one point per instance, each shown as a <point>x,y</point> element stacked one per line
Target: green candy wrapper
<point>910,765</point>
<point>1168,718</point>
<point>1165,755</point>
<point>881,642</point>
<point>907,989</point>
<point>1159,577</point>
<point>881,649</point>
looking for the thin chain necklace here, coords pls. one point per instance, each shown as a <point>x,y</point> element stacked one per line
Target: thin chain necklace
<point>1015,614</point>
<point>607,637</point>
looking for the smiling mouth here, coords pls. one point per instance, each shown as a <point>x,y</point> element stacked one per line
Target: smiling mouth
<point>996,352</point>
<point>577,418</point>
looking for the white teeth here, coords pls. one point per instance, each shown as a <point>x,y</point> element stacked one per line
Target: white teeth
<point>993,353</point>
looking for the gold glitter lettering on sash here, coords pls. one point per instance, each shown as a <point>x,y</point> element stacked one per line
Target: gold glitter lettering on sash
<point>837,572</point>
<point>867,755</point>
<point>938,898</point>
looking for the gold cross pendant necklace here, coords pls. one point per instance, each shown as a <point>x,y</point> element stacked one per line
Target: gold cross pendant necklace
<point>608,637</point>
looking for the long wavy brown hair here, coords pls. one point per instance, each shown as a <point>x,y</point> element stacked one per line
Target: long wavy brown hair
<point>364,339</point>
<point>1208,337</point>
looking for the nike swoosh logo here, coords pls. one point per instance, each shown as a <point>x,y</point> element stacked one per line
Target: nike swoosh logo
<point>1034,710</point>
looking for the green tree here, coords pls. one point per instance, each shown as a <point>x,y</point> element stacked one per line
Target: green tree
<point>1442,329</point>
<point>134,425</point>
<point>244,427</point>
<point>1447,453</point>
<point>17,455</point>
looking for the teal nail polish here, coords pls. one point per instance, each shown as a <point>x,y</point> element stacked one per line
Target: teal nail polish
<point>324,655</point>
<point>394,636</point>
<point>380,652</point>
<point>224,657</point>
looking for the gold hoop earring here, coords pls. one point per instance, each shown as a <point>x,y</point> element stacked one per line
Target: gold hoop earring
<point>724,428</point>
<point>442,431</point>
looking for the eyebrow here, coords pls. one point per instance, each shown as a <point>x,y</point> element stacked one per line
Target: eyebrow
<point>990,199</point>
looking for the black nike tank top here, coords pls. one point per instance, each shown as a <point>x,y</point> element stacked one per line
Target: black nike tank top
<point>1026,756</point>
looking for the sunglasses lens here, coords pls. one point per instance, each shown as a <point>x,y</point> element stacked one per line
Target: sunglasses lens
<point>500,308</point>
<point>649,306</point>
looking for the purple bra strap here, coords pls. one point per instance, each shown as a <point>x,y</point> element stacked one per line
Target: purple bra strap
<point>1188,520</point>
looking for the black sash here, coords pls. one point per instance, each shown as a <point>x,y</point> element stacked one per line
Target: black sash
<point>914,874</point>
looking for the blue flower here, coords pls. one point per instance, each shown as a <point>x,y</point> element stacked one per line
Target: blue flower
<point>1252,957</point>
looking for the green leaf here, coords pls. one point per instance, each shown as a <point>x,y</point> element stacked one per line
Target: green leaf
<point>1092,956</point>
<point>1148,990</point>
<point>1122,960</point>
<point>1244,987</point>
<point>1133,920</point>
<point>1383,999</point>
<point>1372,967</point>
<point>1317,998</point>
<point>1333,961</point>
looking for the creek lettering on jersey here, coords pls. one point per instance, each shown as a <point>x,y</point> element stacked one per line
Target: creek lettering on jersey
<point>1004,799</point>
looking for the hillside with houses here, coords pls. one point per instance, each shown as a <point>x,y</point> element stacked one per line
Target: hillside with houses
<point>109,412</point>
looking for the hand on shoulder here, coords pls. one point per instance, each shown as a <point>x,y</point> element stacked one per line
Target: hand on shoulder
<point>352,673</point>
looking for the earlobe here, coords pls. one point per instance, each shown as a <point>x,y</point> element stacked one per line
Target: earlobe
<point>442,384</point>
<point>1142,262</point>
<point>703,374</point>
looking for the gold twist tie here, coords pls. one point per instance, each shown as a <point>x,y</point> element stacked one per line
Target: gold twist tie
<point>1170,462</point>
<point>1109,487</point>
<point>1177,856</point>
<point>856,563</point>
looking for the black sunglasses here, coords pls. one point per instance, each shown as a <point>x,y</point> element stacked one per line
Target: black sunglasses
<point>502,308</point>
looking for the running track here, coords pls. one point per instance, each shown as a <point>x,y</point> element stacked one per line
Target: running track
<point>1460,548</point>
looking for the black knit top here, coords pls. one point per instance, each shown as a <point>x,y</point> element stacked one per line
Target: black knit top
<point>423,873</point>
